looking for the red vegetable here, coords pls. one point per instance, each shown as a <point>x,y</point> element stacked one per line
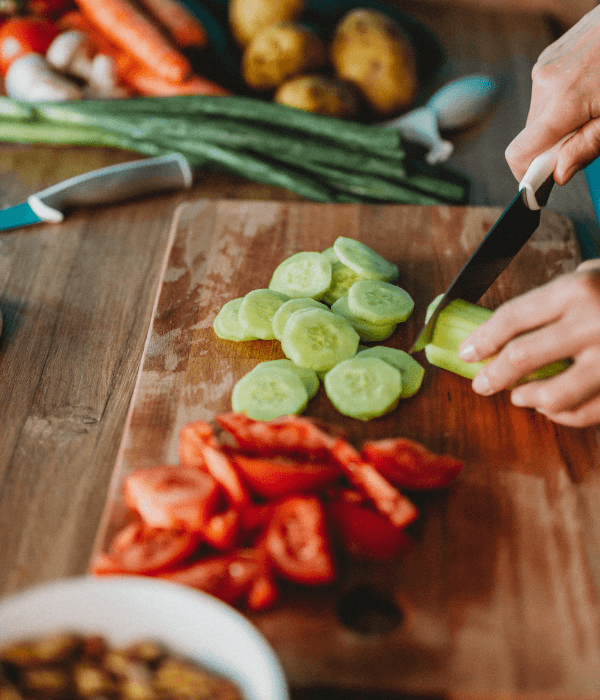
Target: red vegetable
<point>297,541</point>
<point>23,35</point>
<point>410,465</point>
<point>273,477</point>
<point>138,549</point>
<point>53,8</point>
<point>172,497</point>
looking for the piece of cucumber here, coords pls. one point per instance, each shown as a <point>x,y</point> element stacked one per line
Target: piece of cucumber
<point>265,395</point>
<point>318,339</point>
<point>456,323</point>
<point>342,278</point>
<point>379,302</point>
<point>287,309</point>
<point>227,323</point>
<point>364,260</point>
<point>257,310</point>
<point>411,371</point>
<point>308,376</point>
<point>305,274</point>
<point>369,332</point>
<point>363,387</point>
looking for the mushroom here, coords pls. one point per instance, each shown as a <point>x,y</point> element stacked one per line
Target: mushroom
<point>31,77</point>
<point>69,53</point>
<point>102,80</point>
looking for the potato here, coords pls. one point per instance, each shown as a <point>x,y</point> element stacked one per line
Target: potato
<point>321,94</point>
<point>247,18</point>
<point>280,52</point>
<point>371,51</point>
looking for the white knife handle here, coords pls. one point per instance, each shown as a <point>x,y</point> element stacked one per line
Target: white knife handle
<point>113,184</point>
<point>540,170</point>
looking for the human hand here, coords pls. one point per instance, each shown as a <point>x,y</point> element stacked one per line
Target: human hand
<point>565,96</point>
<point>557,321</point>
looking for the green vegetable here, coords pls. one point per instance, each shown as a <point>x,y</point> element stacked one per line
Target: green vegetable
<point>305,274</point>
<point>364,260</point>
<point>257,310</point>
<point>308,376</point>
<point>318,339</point>
<point>227,322</point>
<point>266,395</point>
<point>287,309</point>
<point>368,331</point>
<point>379,302</point>
<point>411,371</point>
<point>321,158</point>
<point>342,278</point>
<point>363,387</point>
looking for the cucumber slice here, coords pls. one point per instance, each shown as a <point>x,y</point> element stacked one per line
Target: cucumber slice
<point>330,254</point>
<point>227,323</point>
<point>363,387</point>
<point>411,371</point>
<point>257,310</point>
<point>318,339</point>
<point>342,278</point>
<point>304,274</point>
<point>267,395</point>
<point>369,332</point>
<point>308,376</point>
<point>379,302</point>
<point>286,310</point>
<point>364,260</point>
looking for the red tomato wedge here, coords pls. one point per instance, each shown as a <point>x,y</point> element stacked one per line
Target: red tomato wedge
<point>172,497</point>
<point>410,465</point>
<point>138,549</point>
<point>298,543</point>
<point>229,577</point>
<point>198,447</point>
<point>288,436</point>
<point>274,477</point>
<point>263,593</point>
<point>221,531</point>
<point>363,531</point>
<point>365,477</point>
<point>22,35</point>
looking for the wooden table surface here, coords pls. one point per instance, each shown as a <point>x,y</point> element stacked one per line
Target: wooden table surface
<point>85,289</point>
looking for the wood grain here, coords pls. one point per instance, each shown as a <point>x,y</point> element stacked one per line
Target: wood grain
<point>500,592</point>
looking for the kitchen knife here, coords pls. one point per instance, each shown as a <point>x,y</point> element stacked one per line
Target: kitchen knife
<point>504,240</point>
<point>111,184</point>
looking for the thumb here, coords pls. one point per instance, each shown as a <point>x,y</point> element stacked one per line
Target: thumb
<point>580,150</point>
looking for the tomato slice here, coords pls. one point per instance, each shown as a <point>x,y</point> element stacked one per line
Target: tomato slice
<point>263,593</point>
<point>363,531</point>
<point>290,436</point>
<point>297,541</point>
<point>221,531</point>
<point>138,549</point>
<point>385,496</point>
<point>410,465</point>
<point>198,447</point>
<point>23,35</point>
<point>172,497</point>
<point>274,477</point>
<point>229,577</point>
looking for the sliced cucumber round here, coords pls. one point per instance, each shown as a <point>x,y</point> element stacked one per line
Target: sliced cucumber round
<point>363,387</point>
<point>266,395</point>
<point>307,375</point>
<point>286,310</point>
<point>342,278</point>
<point>364,260</point>
<point>369,332</point>
<point>227,323</point>
<point>318,339</point>
<point>379,302</point>
<point>411,371</point>
<point>257,310</point>
<point>306,274</point>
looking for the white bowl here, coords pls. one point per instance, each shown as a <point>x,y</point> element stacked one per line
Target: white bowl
<point>129,608</point>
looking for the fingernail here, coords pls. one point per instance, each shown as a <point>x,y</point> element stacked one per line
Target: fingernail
<point>467,353</point>
<point>516,399</point>
<point>481,384</point>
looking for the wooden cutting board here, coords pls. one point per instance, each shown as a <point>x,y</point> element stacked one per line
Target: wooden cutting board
<point>499,594</point>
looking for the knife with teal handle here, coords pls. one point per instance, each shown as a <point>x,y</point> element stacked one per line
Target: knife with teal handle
<point>111,184</point>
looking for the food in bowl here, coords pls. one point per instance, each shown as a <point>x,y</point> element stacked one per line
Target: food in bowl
<point>74,666</point>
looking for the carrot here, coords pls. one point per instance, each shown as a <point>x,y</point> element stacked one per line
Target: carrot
<point>147,83</point>
<point>185,28</point>
<point>134,32</point>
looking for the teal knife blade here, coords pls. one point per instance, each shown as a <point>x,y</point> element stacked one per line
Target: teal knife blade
<point>111,184</point>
